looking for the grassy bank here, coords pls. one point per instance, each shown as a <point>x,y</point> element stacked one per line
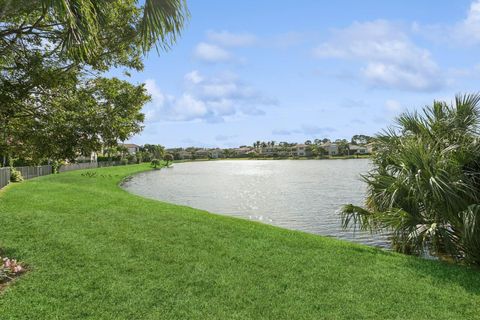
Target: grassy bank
<point>97,252</point>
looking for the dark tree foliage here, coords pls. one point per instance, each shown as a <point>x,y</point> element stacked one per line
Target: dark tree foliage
<point>54,103</point>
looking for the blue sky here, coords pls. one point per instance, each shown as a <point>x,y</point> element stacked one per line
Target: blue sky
<point>295,70</point>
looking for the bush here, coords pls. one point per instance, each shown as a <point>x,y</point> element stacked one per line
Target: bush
<point>155,163</point>
<point>146,157</point>
<point>56,166</point>
<point>15,175</point>
<point>132,159</point>
<point>168,157</point>
<point>108,159</point>
<point>123,162</point>
<point>424,185</point>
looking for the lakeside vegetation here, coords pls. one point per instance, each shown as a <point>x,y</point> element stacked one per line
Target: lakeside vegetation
<point>359,145</point>
<point>95,251</point>
<point>425,184</point>
<point>366,156</point>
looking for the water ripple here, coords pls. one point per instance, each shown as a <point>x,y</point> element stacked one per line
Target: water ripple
<point>299,195</point>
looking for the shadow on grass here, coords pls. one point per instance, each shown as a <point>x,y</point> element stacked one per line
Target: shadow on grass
<point>445,273</point>
<point>441,272</point>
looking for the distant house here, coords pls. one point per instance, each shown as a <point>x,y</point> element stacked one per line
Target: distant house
<point>268,151</point>
<point>369,147</point>
<point>202,154</point>
<point>216,153</point>
<point>242,151</point>
<point>301,150</point>
<point>330,148</point>
<point>182,155</point>
<point>131,148</point>
<point>356,149</point>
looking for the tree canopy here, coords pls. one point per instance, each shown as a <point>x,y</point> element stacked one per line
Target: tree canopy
<point>54,100</point>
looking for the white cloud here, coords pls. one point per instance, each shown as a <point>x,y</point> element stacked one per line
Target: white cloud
<point>190,106</point>
<point>211,53</point>
<point>193,77</point>
<point>390,58</point>
<point>468,30</point>
<point>210,99</point>
<point>229,39</point>
<point>465,32</point>
<point>393,106</point>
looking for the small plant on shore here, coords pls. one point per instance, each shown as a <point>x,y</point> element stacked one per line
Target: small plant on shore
<point>155,163</point>
<point>90,174</point>
<point>15,175</point>
<point>56,166</point>
<point>9,269</point>
<point>168,158</point>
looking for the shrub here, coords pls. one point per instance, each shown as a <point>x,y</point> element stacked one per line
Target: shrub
<point>15,175</point>
<point>123,162</point>
<point>168,157</point>
<point>131,159</point>
<point>155,163</point>
<point>139,157</point>
<point>56,166</point>
<point>424,186</point>
<point>146,157</point>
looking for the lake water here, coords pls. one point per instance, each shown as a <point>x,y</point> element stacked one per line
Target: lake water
<point>295,194</point>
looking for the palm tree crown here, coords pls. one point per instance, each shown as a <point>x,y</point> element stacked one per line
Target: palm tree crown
<point>425,184</point>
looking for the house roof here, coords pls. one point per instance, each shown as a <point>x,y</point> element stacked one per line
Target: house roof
<point>355,147</point>
<point>130,145</point>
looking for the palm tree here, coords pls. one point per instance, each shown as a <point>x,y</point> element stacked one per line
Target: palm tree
<point>160,24</point>
<point>425,184</point>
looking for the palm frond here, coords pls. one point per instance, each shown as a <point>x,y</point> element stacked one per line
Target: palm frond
<point>162,22</point>
<point>425,184</point>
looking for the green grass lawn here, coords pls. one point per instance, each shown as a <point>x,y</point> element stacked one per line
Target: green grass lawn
<point>97,252</point>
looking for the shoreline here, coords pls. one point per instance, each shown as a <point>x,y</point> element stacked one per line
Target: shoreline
<point>271,158</point>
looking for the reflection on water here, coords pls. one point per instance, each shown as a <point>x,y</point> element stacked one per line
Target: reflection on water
<point>301,195</point>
